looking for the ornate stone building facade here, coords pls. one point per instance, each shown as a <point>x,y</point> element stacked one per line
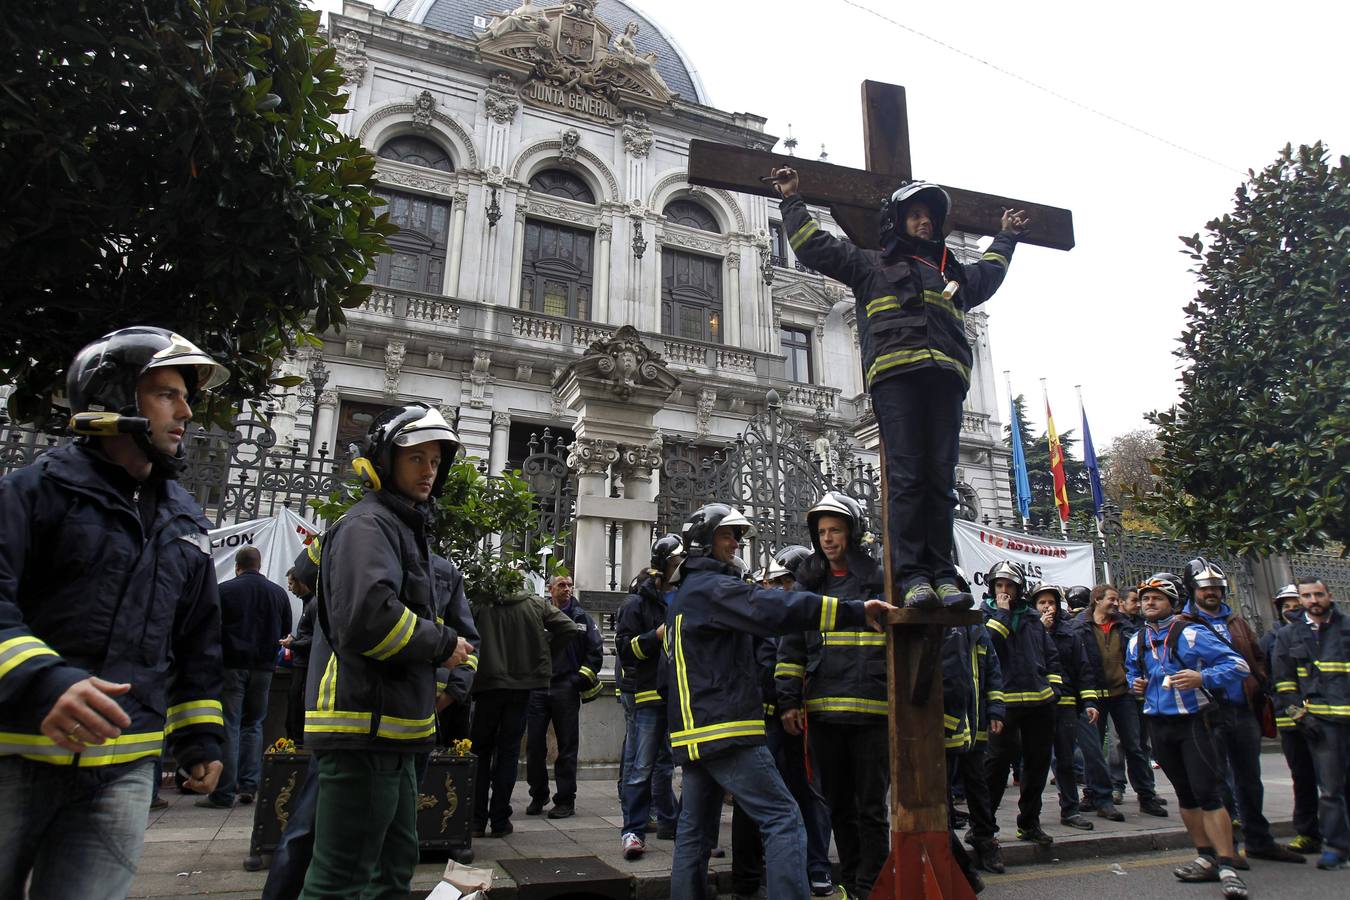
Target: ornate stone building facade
<point>535,159</point>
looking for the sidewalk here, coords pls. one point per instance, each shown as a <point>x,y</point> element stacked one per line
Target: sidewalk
<point>191,852</point>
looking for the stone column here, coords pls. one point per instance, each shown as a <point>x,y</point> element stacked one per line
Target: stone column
<point>501,433</point>
<point>517,253</point>
<point>451,288</point>
<point>731,314</point>
<point>640,468</point>
<point>591,458</point>
<point>600,302</point>
<point>326,427</point>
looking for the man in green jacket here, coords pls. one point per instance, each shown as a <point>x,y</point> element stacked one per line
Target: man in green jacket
<point>370,700</point>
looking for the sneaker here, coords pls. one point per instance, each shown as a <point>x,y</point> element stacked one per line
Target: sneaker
<point>822,887</point>
<point>1076,821</point>
<point>1330,860</point>
<point>1154,808</point>
<point>989,857</point>
<point>1202,868</point>
<point>1275,853</point>
<point>1306,844</point>
<point>633,845</point>
<point>1036,835</point>
<point>1109,811</point>
<point>535,808</point>
<point>953,597</point>
<point>245,798</point>
<point>562,812</point>
<point>922,596</point>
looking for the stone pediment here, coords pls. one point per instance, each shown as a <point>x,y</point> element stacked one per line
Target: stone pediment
<point>803,295</point>
<point>567,59</point>
<point>624,365</point>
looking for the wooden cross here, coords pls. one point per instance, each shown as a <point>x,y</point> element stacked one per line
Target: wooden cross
<point>854,196</point>
<point>921,865</point>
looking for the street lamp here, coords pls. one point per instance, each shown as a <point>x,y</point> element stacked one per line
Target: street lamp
<point>318,379</point>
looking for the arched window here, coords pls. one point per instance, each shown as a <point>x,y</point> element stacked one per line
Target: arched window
<point>559,183</point>
<point>417,151</point>
<point>556,274</point>
<point>691,215</point>
<point>416,261</point>
<point>691,296</point>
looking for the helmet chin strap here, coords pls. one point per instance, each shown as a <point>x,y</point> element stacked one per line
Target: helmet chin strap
<point>161,463</point>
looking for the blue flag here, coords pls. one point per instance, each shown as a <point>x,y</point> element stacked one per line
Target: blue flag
<point>1022,483</point>
<point>1090,463</point>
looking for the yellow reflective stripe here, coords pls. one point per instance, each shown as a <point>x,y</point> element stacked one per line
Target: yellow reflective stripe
<point>958,741</point>
<point>333,721</point>
<point>588,672</point>
<point>881,304</point>
<point>981,736</point>
<point>1329,666</point>
<point>789,670</point>
<point>399,729</point>
<point>950,722</point>
<point>1302,671</point>
<point>995,623</point>
<point>1028,696</point>
<point>1087,694</point>
<point>1284,722</point>
<point>682,682</point>
<point>848,705</point>
<point>1281,685</point>
<point>592,691</point>
<point>803,233</point>
<point>647,697</point>
<point>123,748</point>
<point>947,306</point>
<point>996,695</point>
<point>471,662</point>
<point>328,684</point>
<point>996,258</point>
<point>396,639</point>
<point>1327,709</point>
<point>1054,679</point>
<point>636,646</point>
<point>941,357</point>
<point>440,686</point>
<point>17,651</point>
<point>829,611</point>
<point>854,639</point>
<point>693,736</point>
<point>195,712</point>
<point>768,710</point>
<point>1067,701</point>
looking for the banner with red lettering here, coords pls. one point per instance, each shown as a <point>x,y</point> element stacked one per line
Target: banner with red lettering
<point>1064,563</point>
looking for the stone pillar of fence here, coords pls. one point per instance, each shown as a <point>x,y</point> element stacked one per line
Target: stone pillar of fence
<point>615,390</point>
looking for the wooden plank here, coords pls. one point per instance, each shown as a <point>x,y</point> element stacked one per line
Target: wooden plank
<point>886,129</point>
<point>825,184</point>
<point>918,763</point>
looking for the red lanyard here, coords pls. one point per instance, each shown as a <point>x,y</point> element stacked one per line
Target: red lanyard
<point>1153,647</point>
<point>942,269</point>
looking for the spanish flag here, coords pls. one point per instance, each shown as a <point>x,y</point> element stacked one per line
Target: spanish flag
<point>1057,465</point>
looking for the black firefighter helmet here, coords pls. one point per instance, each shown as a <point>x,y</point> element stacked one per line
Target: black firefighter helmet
<point>1201,572</point>
<point>403,426</point>
<point>1010,570</point>
<point>837,503</point>
<point>891,220</point>
<point>703,523</point>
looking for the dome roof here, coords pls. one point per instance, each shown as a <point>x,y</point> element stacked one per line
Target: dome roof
<point>456,17</point>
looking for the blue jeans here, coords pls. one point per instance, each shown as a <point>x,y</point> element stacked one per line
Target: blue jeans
<point>79,832</point>
<point>647,767</point>
<point>752,778</point>
<point>244,697</point>
<point>1123,712</point>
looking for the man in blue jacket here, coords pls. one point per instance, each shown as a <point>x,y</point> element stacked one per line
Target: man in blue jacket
<point>109,623</point>
<point>717,727</point>
<point>1179,668</point>
<point>911,301</point>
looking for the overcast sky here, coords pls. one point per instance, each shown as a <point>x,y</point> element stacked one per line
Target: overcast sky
<point>1229,81</point>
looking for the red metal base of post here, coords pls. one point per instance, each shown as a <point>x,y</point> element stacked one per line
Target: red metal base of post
<point>921,867</point>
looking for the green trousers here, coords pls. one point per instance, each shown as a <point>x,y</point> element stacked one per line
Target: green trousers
<point>365,830</point>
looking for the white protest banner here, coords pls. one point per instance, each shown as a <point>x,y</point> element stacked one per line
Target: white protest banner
<point>1064,563</point>
<point>279,539</point>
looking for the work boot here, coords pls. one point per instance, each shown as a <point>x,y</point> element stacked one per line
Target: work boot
<point>1155,808</point>
<point>1109,811</point>
<point>1275,853</point>
<point>1036,835</point>
<point>922,596</point>
<point>953,597</point>
<point>989,857</point>
<point>1076,821</point>
<point>535,808</point>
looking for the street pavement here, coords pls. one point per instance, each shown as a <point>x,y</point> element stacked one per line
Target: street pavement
<point>192,852</point>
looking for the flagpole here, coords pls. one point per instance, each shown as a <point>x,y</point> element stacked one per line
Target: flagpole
<point>1101,535</point>
<point>1045,395</point>
<point>1012,411</point>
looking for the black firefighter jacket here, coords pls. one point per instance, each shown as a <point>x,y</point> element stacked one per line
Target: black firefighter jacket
<point>716,699</point>
<point>838,676</point>
<point>1026,657</point>
<point>86,589</point>
<point>577,658</point>
<point>642,664</point>
<point>904,322</point>
<point>372,673</point>
<point>452,607</point>
<point>1079,686</point>
<point>972,687</point>
<point>1312,668</point>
